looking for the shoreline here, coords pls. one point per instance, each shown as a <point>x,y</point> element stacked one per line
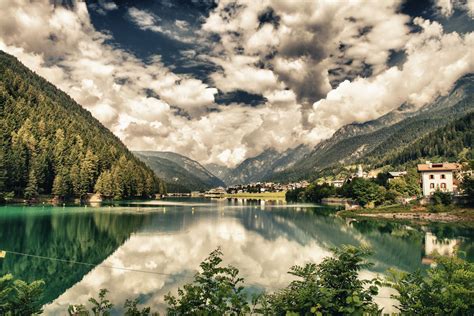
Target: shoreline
<point>50,200</point>
<point>263,195</point>
<point>458,215</point>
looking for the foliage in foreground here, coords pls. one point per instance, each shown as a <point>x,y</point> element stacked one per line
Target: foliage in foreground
<point>448,289</point>
<point>215,291</point>
<point>20,298</point>
<point>329,288</point>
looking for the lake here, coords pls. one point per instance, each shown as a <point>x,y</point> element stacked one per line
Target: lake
<point>147,249</point>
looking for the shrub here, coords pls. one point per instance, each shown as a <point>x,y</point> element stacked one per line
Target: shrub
<point>467,186</point>
<point>18,297</point>
<point>448,289</point>
<point>330,288</point>
<point>442,198</point>
<point>215,291</point>
<point>364,191</point>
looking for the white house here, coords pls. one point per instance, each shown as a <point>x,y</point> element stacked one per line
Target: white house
<point>437,176</point>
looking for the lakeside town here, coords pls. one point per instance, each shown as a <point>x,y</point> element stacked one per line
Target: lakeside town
<point>432,177</point>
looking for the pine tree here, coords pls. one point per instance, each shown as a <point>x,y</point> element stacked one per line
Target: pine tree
<point>61,186</point>
<point>88,171</point>
<point>3,171</point>
<point>75,176</point>
<point>59,150</point>
<point>31,190</point>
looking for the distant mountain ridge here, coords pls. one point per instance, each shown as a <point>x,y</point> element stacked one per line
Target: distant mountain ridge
<point>370,141</point>
<point>180,173</point>
<point>260,167</point>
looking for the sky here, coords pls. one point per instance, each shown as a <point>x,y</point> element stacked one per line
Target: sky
<point>222,81</point>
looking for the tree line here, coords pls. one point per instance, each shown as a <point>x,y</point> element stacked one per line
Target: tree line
<point>364,191</point>
<point>49,144</point>
<point>380,191</point>
<point>332,287</point>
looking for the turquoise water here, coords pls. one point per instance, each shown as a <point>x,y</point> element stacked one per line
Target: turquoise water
<point>147,249</point>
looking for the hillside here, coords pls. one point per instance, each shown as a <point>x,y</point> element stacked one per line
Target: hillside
<point>51,145</point>
<point>448,143</point>
<point>182,174</point>
<point>373,140</point>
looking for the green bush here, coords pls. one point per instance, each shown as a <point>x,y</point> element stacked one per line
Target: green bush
<point>20,298</point>
<point>467,186</point>
<point>447,289</point>
<point>215,291</point>
<point>442,198</point>
<point>364,191</point>
<point>331,288</point>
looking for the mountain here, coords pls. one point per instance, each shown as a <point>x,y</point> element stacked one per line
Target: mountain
<point>371,141</point>
<point>450,142</point>
<point>181,173</point>
<point>263,166</point>
<point>51,145</point>
<point>220,171</point>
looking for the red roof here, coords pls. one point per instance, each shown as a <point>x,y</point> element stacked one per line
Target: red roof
<point>438,167</point>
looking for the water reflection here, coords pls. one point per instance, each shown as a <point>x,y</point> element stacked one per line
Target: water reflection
<point>263,239</point>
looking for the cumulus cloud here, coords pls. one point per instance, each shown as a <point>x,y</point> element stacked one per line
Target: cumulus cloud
<point>149,22</point>
<point>102,6</point>
<point>144,20</point>
<point>447,7</point>
<point>319,65</point>
<point>301,44</point>
<point>434,62</point>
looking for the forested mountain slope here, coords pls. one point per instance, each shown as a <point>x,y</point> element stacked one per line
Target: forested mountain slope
<point>181,174</point>
<point>51,145</point>
<point>355,142</point>
<point>448,143</point>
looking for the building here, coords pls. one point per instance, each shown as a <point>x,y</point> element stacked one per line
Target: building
<point>216,192</point>
<point>360,172</point>
<point>437,176</point>
<point>337,183</point>
<point>395,174</point>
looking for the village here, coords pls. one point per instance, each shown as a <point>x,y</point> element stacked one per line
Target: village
<point>432,177</point>
<point>252,189</point>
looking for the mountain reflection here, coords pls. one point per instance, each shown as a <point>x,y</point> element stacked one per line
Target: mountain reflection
<point>171,238</point>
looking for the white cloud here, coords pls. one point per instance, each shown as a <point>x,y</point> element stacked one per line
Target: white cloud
<point>240,73</point>
<point>434,62</point>
<point>144,20</point>
<point>287,60</point>
<point>447,7</point>
<point>149,22</point>
<point>192,95</point>
<point>109,6</point>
